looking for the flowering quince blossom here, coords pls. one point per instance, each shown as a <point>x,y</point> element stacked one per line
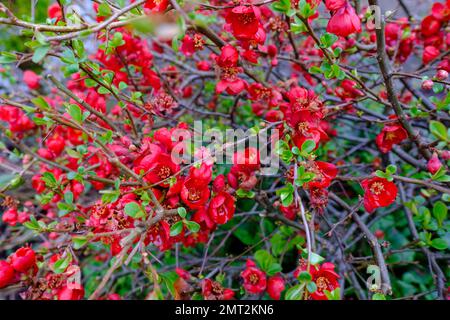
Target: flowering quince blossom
<point>255,280</point>
<point>227,63</point>
<point>344,21</point>
<point>214,150</point>
<point>378,192</point>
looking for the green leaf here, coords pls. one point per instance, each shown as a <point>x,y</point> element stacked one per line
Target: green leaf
<point>439,244</point>
<point>311,287</point>
<point>32,224</point>
<point>305,9</point>
<point>267,262</point>
<point>295,293</point>
<point>134,210</point>
<point>328,39</point>
<point>61,265</point>
<point>79,241</point>
<point>307,147</point>
<point>438,130</point>
<point>68,197</point>
<point>75,112</point>
<point>176,228</point>
<point>182,212</point>
<point>192,226</point>
<point>378,296</point>
<point>40,53</point>
<point>440,211</point>
<point>49,180</point>
<point>7,57</point>
<point>41,103</point>
<point>304,276</point>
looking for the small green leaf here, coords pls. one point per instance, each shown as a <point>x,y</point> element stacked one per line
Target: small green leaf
<point>192,226</point>
<point>176,228</point>
<point>438,130</point>
<point>182,212</point>
<point>439,244</point>
<point>134,210</point>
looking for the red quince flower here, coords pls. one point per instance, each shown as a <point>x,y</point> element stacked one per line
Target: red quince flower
<point>378,192</point>
<point>156,5</point>
<point>31,79</point>
<point>195,193</point>
<point>10,216</point>
<point>212,290</point>
<point>255,280</point>
<point>275,286</point>
<point>71,291</point>
<point>221,208</point>
<point>434,164</point>
<point>325,278</point>
<point>334,5</point>
<point>23,259</point>
<point>390,135</point>
<point>429,54</point>
<point>344,22</point>
<point>6,274</point>
<point>244,21</point>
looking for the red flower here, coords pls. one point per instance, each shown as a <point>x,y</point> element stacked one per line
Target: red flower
<point>10,216</point>
<point>430,26</point>
<point>334,5</point>
<point>325,278</point>
<point>429,54</point>
<point>324,173</point>
<point>275,286</point>
<point>71,291</point>
<point>255,280</point>
<point>378,192</point>
<point>31,79</point>
<point>212,290</point>
<point>195,193</point>
<point>6,274</point>
<point>434,164</point>
<point>156,165</point>
<point>55,12</point>
<point>247,160</point>
<point>221,208</point>
<point>243,21</point>
<point>344,22</point>
<point>228,65</point>
<point>23,259</point>
<point>390,135</point>
<point>156,5</point>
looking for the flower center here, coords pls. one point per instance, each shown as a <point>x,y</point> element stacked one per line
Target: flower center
<point>322,283</point>
<point>376,188</point>
<point>390,136</point>
<point>254,279</point>
<point>164,172</point>
<point>302,126</point>
<point>246,18</point>
<point>194,194</point>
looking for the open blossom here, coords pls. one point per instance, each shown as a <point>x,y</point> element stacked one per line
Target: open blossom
<point>389,136</point>
<point>244,21</point>
<point>71,291</point>
<point>221,208</point>
<point>344,22</point>
<point>212,290</point>
<point>255,280</point>
<point>229,70</point>
<point>429,54</point>
<point>156,5</point>
<point>378,192</point>
<point>6,274</point>
<point>325,278</point>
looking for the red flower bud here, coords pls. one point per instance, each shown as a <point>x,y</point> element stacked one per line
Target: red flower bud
<point>23,259</point>
<point>275,285</point>
<point>434,164</point>
<point>6,274</point>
